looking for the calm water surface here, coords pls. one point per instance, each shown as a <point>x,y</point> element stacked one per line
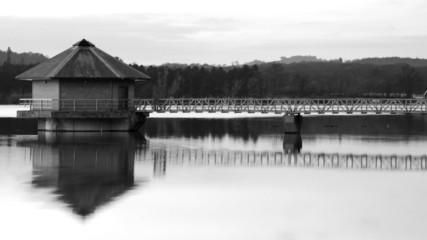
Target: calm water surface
<point>343,178</point>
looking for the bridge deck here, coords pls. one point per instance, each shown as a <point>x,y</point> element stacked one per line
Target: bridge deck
<point>225,105</point>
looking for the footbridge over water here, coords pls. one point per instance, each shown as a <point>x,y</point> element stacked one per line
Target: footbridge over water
<point>236,105</point>
<point>283,106</point>
<point>86,89</point>
<point>292,109</point>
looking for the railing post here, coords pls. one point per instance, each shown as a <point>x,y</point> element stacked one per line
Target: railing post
<point>96,104</point>
<point>74,104</point>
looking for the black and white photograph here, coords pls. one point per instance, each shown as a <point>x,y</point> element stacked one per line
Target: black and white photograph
<point>213,120</point>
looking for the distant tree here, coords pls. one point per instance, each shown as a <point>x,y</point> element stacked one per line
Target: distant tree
<point>118,58</point>
<point>8,61</point>
<point>301,80</point>
<point>254,88</point>
<point>174,90</point>
<point>160,91</point>
<point>409,76</point>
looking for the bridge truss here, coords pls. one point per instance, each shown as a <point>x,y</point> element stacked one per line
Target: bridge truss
<point>236,105</point>
<point>279,106</point>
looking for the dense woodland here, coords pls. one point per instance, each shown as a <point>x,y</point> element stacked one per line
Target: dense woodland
<point>20,58</point>
<point>278,80</point>
<point>12,90</point>
<point>371,77</point>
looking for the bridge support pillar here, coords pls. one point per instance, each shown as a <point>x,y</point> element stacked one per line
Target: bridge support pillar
<point>292,123</point>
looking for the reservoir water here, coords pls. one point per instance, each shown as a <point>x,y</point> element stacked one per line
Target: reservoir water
<point>344,177</point>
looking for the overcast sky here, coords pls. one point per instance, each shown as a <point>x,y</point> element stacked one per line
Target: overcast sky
<point>219,31</point>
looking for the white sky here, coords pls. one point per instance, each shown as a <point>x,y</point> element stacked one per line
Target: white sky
<point>220,31</point>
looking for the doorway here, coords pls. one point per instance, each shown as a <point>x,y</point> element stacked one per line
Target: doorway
<point>123,97</point>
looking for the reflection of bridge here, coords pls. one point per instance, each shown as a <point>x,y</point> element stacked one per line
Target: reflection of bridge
<point>225,105</point>
<point>201,157</point>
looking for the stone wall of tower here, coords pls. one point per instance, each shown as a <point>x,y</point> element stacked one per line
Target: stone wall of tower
<point>46,89</point>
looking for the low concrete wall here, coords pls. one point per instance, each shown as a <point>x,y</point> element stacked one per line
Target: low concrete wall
<point>131,123</point>
<point>74,114</point>
<point>34,114</point>
<point>83,125</point>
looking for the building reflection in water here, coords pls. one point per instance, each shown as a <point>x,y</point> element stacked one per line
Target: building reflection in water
<point>87,170</point>
<point>292,143</point>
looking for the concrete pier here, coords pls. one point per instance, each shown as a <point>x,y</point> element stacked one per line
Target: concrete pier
<point>56,121</point>
<point>292,123</point>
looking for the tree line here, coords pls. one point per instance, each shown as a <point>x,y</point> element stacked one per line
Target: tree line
<point>12,90</point>
<point>265,80</point>
<point>277,80</point>
<point>25,58</point>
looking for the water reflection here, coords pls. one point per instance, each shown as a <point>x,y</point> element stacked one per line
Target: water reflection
<point>251,129</point>
<point>86,170</point>
<point>292,143</point>
<point>224,158</point>
<point>375,143</point>
<point>341,177</point>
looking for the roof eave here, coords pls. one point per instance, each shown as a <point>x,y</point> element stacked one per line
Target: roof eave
<point>142,79</point>
<point>90,78</point>
<point>31,78</point>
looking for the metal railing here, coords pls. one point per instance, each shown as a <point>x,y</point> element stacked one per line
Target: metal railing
<point>225,105</point>
<point>77,104</point>
<point>279,106</point>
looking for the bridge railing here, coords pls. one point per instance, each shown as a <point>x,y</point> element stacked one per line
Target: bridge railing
<point>304,106</point>
<point>237,105</point>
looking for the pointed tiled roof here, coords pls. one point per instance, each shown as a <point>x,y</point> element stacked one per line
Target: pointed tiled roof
<point>82,60</point>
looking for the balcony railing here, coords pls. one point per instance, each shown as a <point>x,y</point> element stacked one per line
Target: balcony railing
<point>77,104</point>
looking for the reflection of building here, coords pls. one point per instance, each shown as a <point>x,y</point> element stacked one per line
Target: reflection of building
<point>86,170</point>
<point>292,143</point>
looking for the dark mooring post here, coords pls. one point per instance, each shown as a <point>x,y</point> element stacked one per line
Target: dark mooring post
<point>292,123</point>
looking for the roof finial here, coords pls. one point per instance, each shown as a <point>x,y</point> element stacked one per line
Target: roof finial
<point>84,43</point>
